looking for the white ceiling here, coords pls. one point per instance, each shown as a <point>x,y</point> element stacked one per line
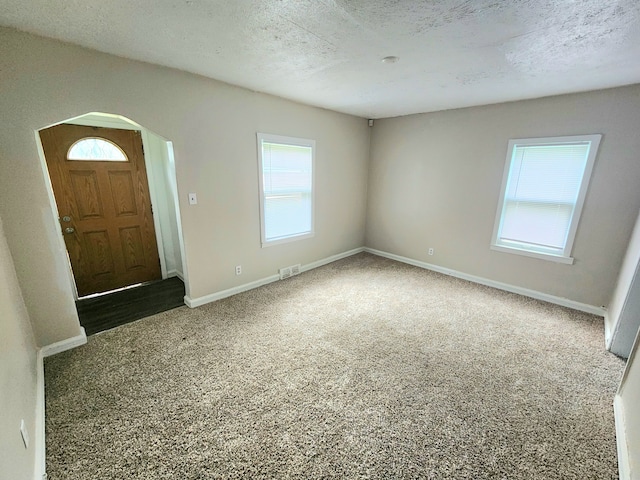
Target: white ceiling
<point>453,53</point>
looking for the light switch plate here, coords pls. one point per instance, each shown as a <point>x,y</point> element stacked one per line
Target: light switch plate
<point>193,199</point>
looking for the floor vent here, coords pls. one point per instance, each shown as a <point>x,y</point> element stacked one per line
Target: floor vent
<point>287,272</point>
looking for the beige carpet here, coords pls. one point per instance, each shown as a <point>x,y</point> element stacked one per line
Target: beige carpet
<point>364,368</point>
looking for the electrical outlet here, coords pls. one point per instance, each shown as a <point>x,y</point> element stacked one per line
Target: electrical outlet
<point>431,251</point>
<point>238,269</point>
<point>24,433</point>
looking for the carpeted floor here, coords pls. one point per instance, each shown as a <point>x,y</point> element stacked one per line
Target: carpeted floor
<point>364,368</point>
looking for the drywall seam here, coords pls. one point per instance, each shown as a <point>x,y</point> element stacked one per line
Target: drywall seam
<point>565,302</point>
<point>196,302</point>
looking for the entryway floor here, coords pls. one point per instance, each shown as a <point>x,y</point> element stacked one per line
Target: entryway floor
<point>114,309</point>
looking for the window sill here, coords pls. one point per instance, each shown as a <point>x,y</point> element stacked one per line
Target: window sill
<point>292,238</point>
<point>542,256</point>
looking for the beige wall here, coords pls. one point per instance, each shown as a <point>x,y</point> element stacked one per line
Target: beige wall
<point>435,181</point>
<point>213,128</point>
<point>18,374</point>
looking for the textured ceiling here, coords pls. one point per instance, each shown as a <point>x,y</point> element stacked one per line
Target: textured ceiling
<point>453,53</point>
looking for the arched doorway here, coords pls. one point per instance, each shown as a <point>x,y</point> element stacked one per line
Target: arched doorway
<point>119,217</point>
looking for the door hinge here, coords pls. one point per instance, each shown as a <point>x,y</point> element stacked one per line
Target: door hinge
<point>152,209</point>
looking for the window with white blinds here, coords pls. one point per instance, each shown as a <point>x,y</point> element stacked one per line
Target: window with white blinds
<point>544,186</point>
<point>286,188</point>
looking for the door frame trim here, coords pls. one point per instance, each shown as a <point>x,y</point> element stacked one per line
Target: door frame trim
<point>59,239</point>
<point>120,122</point>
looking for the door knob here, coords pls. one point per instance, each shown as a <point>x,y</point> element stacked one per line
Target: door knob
<point>69,230</point>
<point>66,218</point>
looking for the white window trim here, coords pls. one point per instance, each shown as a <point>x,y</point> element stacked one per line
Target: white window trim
<point>301,142</point>
<point>565,255</point>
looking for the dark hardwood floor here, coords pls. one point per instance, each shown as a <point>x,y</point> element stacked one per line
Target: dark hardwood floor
<point>111,310</point>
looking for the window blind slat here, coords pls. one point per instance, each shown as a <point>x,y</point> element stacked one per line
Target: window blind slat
<point>287,215</point>
<point>287,190</point>
<point>552,173</point>
<point>544,224</point>
<point>542,189</point>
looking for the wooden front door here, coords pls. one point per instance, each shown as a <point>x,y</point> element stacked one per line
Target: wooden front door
<point>100,185</point>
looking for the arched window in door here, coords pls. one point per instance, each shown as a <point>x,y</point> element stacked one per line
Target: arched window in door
<point>96,150</point>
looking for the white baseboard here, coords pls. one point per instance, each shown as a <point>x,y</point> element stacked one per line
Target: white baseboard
<point>63,345</point>
<point>608,334</point>
<point>196,302</point>
<point>212,297</point>
<point>175,273</point>
<point>624,469</point>
<point>332,258</point>
<point>40,467</point>
<point>565,302</point>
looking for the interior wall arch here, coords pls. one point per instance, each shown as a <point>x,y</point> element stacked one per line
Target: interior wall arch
<point>160,166</point>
